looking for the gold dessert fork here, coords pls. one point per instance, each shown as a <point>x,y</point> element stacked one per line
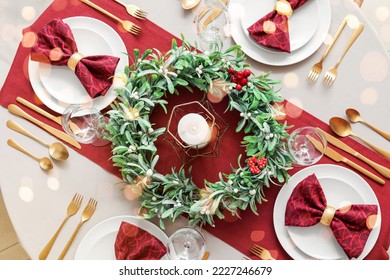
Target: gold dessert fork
<point>331,74</point>
<point>126,24</point>
<point>133,10</point>
<point>316,70</point>
<point>261,252</point>
<point>85,216</point>
<point>73,207</point>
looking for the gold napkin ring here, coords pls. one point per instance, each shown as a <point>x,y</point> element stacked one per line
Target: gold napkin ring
<point>74,60</point>
<point>327,215</point>
<point>282,7</point>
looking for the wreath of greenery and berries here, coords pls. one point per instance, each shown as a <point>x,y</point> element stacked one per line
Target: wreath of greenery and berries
<point>217,74</point>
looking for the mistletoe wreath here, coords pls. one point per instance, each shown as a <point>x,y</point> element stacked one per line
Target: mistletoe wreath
<point>146,82</point>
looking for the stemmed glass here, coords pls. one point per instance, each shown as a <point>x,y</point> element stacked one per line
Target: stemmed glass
<point>186,244</point>
<point>302,150</point>
<point>85,124</point>
<point>212,25</point>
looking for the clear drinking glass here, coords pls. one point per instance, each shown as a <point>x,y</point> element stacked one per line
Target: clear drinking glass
<point>186,244</point>
<point>302,149</point>
<point>212,25</point>
<point>85,124</point>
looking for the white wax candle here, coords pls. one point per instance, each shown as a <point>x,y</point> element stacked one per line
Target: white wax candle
<point>194,130</point>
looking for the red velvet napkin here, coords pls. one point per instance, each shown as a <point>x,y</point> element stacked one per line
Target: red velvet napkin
<point>350,227</point>
<point>272,29</point>
<point>134,243</point>
<point>56,45</point>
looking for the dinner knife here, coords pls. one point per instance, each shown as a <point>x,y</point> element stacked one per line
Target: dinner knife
<point>56,119</point>
<point>14,109</point>
<point>329,152</point>
<point>341,145</point>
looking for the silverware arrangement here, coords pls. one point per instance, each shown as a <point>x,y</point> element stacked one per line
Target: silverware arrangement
<point>331,73</point>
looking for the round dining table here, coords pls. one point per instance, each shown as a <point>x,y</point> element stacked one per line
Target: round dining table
<point>36,201</point>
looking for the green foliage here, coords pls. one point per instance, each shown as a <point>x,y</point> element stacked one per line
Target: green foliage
<point>148,79</point>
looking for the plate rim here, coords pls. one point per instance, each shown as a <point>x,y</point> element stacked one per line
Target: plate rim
<point>119,219</point>
<point>279,210</point>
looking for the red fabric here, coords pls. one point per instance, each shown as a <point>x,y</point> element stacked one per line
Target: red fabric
<point>280,38</point>
<point>238,232</point>
<point>95,72</point>
<point>134,243</point>
<point>349,226</point>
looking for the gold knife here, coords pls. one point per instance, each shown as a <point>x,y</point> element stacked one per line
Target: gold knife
<point>56,119</point>
<point>57,133</point>
<point>329,152</point>
<point>339,144</point>
<point>215,14</point>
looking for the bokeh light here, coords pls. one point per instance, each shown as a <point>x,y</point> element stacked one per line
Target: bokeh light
<point>28,13</point>
<point>8,32</point>
<point>382,13</point>
<point>374,67</point>
<point>369,96</point>
<point>257,235</point>
<point>53,183</point>
<point>291,80</point>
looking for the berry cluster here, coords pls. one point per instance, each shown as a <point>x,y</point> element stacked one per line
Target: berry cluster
<point>240,78</point>
<point>255,165</point>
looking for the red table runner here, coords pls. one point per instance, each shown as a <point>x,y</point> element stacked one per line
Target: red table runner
<point>239,233</point>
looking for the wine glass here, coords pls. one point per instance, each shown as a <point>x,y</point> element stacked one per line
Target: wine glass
<point>212,25</point>
<point>85,124</point>
<point>186,244</point>
<point>302,149</point>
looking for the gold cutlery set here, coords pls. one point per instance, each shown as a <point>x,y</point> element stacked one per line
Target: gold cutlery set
<point>331,73</point>
<point>132,10</point>
<point>342,128</point>
<point>72,209</point>
<point>260,252</point>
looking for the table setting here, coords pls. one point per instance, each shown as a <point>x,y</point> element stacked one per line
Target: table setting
<point>243,130</point>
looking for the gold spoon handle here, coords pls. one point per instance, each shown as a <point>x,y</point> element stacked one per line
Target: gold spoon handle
<point>15,145</point>
<point>379,131</point>
<point>46,250</point>
<point>15,126</point>
<point>100,9</point>
<point>381,151</point>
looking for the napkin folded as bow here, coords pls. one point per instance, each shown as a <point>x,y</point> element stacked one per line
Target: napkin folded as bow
<point>349,225</point>
<point>56,45</point>
<point>272,29</point>
<point>134,243</point>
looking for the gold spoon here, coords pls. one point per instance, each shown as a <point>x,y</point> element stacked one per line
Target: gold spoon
<point>342,128</point>
<point>189,4</point>
<point>45,163</point>
<point>56,150</point>
<point>354,116</point>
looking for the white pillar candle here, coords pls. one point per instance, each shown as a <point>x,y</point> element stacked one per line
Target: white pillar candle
<point>194,130</point>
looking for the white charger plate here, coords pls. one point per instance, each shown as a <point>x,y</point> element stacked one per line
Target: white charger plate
<point>98,243</point>
<point>300,31</point>
<point>58,87</point>
<point>339,185</point>
<point>306,43</point>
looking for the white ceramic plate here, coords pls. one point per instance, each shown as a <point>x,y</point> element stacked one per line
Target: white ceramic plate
<point>98,243</point>
<point>57,86</point>
<point>304,45</point>
<point>300,31</point>
<point>339,185</point>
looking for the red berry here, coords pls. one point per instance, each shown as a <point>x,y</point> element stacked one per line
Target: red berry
<point>239,75</point>
<point>231,71</point>
<point>243,81</point>
<point>233,79</point>
<point>239,87</point>
<point>246,72</point>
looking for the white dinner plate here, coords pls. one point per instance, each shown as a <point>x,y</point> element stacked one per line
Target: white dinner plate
<point>340,185</point>
<point>58,87</point>
<point>300,31</point>
<point>305,45</point>
<point>98,243</point>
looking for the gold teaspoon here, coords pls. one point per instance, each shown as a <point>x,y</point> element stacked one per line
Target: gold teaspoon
<point>56,150</point>
<point>354,116</point>
<point>342,128</point>
<point>45,163</point>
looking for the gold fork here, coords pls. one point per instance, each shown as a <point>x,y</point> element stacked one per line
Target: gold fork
<point>85,216</point>
<point>261,252</point>
<point>73,207</point>
<point>126,24</point>
<point>331,74</point>
<point>133,10</point>
<point>316,70</point>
